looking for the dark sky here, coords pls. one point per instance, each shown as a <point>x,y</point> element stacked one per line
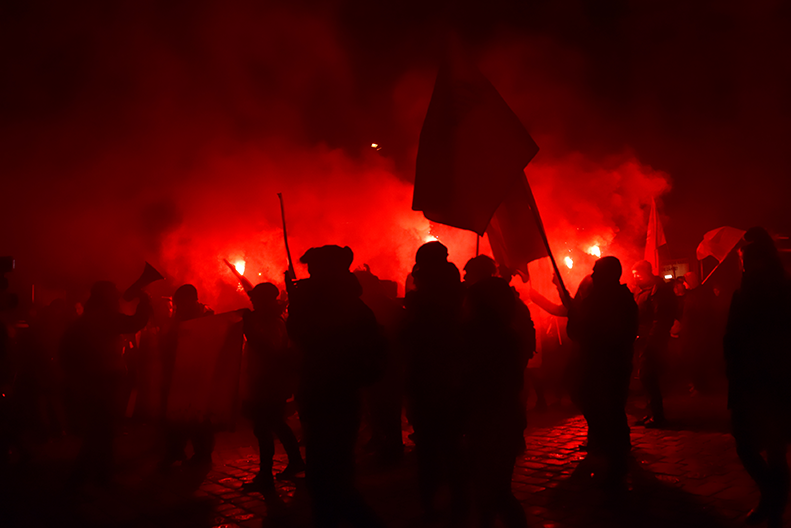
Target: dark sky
<point>107,109</point>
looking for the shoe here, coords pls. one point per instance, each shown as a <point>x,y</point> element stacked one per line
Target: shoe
<point>291,471</point>
<point>656,423</point>
<point>169,460</point>
<point>262,485</point>
<point>757,515</point>
<point>199,461</point>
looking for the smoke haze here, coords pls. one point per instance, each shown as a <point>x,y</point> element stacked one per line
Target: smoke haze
<point>162,131</point>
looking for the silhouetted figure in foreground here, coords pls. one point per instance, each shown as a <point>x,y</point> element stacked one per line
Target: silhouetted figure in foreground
<point>493,385</point>
<point>342,351</point>
<point>435,374</point>
<point>177,434</point>
<point>385,398</point>
<point>758,358</point>
<point>272,377</point>
<point>92,361</point>
<point>657,307</point>
<point>605,322</point>
<point>149,405</point>
<point>699,332</point>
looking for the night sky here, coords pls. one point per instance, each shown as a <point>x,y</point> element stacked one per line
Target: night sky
<point>161,130</point>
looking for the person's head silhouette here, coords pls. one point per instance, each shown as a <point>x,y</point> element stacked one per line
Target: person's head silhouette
<point>327,262</point>
<point>607,272</point>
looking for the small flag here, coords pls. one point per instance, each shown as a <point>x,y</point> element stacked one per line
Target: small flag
<point>655,238</point>
<point>718,243</point>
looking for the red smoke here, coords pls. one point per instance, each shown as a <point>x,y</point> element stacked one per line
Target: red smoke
<point>143,131</point>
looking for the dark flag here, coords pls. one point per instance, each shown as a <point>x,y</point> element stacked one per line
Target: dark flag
<point>470,165</point>
<point>514,234</point>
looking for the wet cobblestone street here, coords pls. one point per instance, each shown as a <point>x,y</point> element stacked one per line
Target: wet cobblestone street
<point>679,477</point>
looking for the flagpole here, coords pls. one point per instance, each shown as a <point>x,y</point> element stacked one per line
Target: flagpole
<point>477,244</point>
<point>565,297</point>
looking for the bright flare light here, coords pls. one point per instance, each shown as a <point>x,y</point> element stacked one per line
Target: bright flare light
<point>668,276</point>
<point>595,251</point>
<point>430,238</point>
<point>569,262</point>
<point>239,265</point>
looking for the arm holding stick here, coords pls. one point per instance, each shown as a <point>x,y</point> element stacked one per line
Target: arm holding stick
<point>246,284</point>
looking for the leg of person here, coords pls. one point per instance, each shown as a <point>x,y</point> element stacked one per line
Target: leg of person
<point>328,477</point>
<point>277,424</point>
<point>537,378</point>
<point>615,428</point>
<point>745,430</point>
<point>85,463</point>
<point>202,436</point>
<point>176,438</point>
<point>392,449</point>
<point>509,509</point>
<point>650,379</point>
<point>263,481</point>
<point>777,475</point>
<point>428,449</point>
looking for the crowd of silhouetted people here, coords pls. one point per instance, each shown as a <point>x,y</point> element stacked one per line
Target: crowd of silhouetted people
<point>450,358</point>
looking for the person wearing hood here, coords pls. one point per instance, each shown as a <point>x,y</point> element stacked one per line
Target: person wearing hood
<point>342,351</point>
<point>435,368</point>
<point>271,370</point>
<point>605,324</point>
<point>91,355</point>
<point>757,348</point>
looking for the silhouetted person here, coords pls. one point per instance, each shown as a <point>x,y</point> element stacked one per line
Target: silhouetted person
<point>39,372</point>
<point>149,405</point>
<point>657,307</point>
<point>341,351</point>
<point>605,323</point>
<point>758,361</point>
<point>385,398</point>
<point>479,268</point>
<point>271,369</point>
<point>493,385</point>
<point>698,332</point>
<point>435,374</point>
<point>92,360</point>
<point>185,308</point>
<point>482,268</point>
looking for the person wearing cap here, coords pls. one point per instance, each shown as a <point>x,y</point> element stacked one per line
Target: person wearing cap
<point>605,324</point>
<point>658,308</point>
<point>435,369</point>
<point>271,372</point>
<point>91,355</point>
<point>341,350</point>
<point>757,346</point>
<point>185,308</point>
<point>496,354</point>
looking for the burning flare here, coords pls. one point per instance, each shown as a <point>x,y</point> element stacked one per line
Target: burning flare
<point>239,265</point>
<point>595,251</point>
<point>569,262</point>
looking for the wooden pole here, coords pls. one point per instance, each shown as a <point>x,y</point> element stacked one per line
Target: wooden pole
<point>285,238</point>
<point>565,297</point>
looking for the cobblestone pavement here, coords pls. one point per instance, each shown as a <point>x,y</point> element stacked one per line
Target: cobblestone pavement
<point>678,478</point>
